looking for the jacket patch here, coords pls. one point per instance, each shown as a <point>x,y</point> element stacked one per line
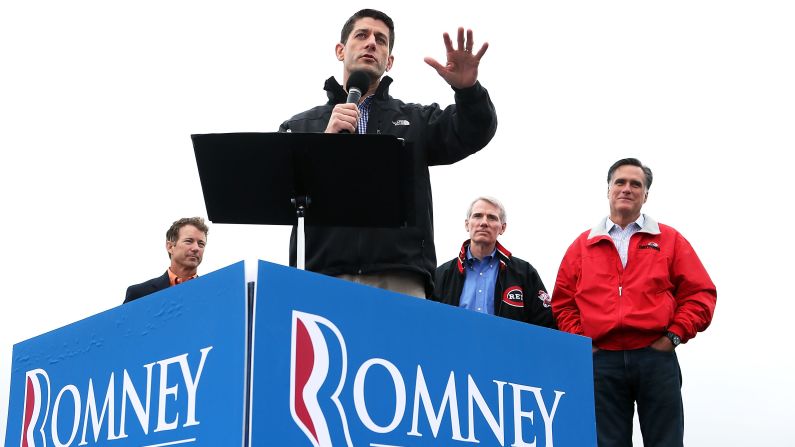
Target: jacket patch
<point>544,297</point>
<point>650,245</point>
<point>513,296</point>
<point>401,122</point>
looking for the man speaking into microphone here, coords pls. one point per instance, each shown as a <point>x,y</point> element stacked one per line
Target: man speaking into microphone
<point>403,259</point>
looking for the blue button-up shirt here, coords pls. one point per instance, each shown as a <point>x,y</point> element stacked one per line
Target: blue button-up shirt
<point>479,282</point>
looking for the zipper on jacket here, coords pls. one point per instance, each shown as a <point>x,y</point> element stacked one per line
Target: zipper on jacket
<point>497,293</point>
<point>620,271</point>
<point>374,112</point>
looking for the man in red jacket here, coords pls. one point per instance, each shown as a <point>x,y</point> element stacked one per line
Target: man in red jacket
<point>638,290</point>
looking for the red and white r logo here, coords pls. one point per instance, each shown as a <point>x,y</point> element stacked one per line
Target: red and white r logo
<point>309,368</point>
<point>35,395</point>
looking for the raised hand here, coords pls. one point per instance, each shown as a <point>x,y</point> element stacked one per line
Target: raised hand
<point>461,69</point>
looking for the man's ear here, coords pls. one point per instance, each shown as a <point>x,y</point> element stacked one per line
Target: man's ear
<point>389,61</point>
<point>339,50</point>
<point>504,226</point>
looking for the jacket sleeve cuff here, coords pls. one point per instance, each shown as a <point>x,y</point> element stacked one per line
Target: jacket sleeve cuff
<point>469,94</point>
<point>680,331</point>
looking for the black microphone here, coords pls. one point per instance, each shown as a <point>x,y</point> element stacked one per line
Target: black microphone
<point>358,83</point>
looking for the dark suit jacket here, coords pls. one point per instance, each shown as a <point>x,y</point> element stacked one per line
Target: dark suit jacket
<point>145,288</point>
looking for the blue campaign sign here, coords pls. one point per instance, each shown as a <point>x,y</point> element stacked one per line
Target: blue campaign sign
<point>167,369</point>
<point>338,364</point>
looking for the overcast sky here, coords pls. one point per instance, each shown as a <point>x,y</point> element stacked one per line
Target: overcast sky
<point>98,100</point>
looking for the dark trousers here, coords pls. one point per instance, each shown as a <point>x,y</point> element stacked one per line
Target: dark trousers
<point>652,379</point>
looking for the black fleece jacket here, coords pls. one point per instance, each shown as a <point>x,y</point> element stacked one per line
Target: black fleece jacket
<point>433,136</point>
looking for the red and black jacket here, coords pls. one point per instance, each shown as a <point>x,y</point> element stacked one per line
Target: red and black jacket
<point>519,293</point>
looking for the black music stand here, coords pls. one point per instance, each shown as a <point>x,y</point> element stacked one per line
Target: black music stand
<point>283,178</point>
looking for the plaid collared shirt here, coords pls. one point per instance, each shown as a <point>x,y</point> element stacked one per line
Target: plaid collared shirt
<point>364,110</point>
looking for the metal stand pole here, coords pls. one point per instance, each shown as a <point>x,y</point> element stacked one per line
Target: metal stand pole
<point>300,203</point>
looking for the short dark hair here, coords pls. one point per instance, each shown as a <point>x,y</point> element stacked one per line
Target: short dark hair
<point>173,232</point>
<point>373,14</point>
<point>631,162</point>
